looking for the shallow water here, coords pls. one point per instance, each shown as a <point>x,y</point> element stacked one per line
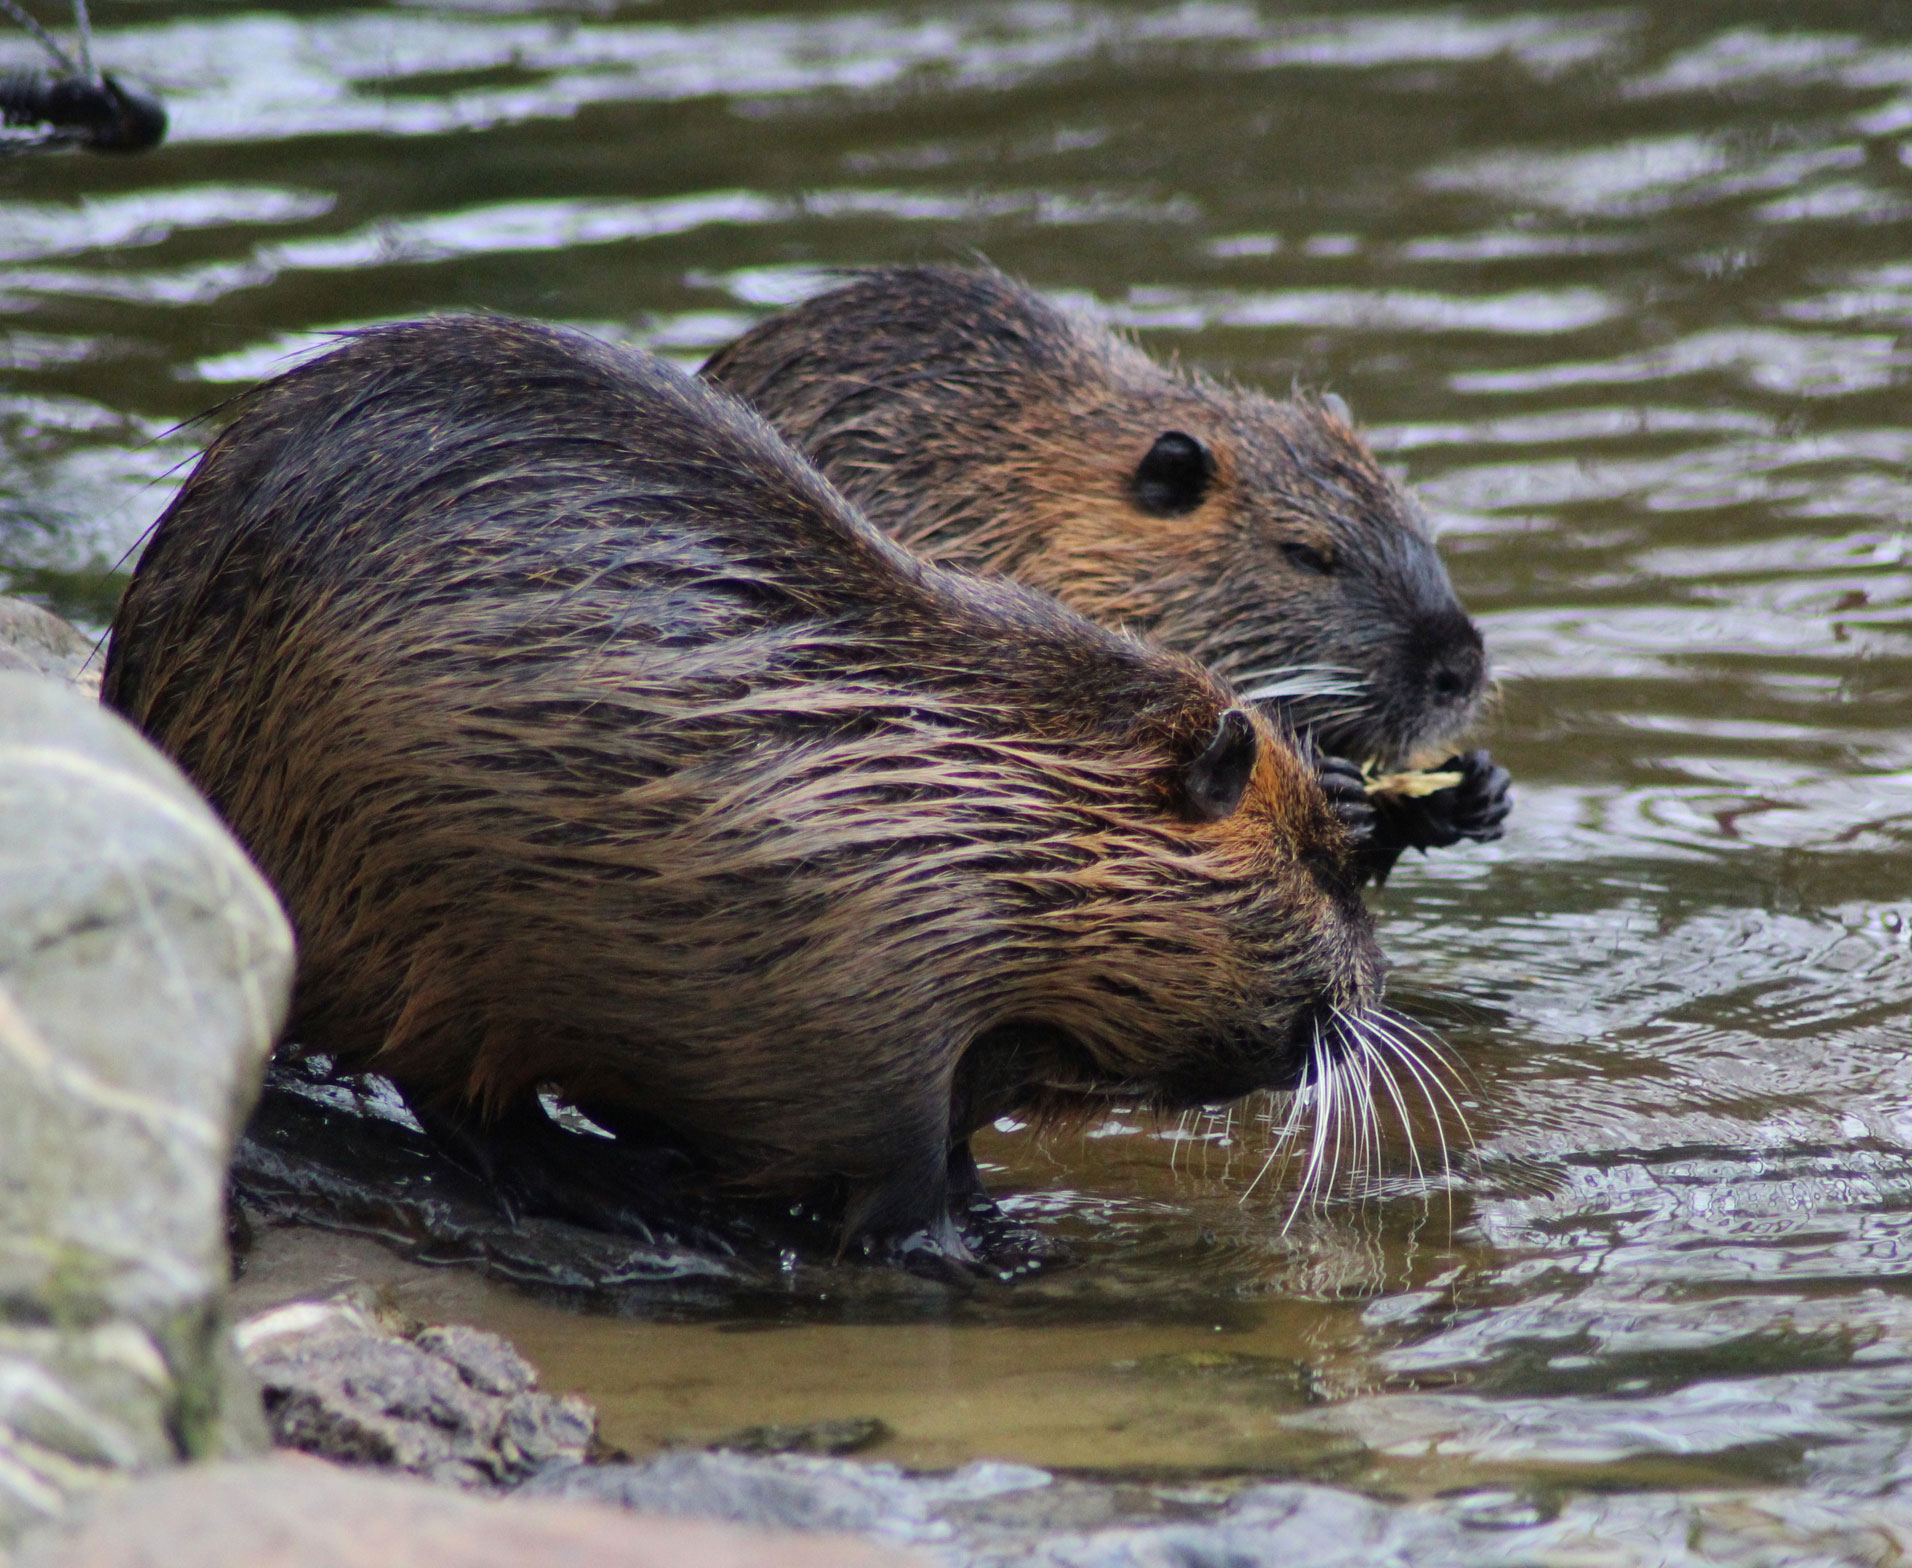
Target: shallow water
<point>1623,291</point>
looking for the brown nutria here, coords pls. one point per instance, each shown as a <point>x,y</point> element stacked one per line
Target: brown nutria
<point>987,428</point>
<point>593,740</point>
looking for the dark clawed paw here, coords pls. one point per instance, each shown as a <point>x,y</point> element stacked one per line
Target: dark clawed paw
<point>1473,810</point>
<point>1482,799</point>
<point>1347,794</point>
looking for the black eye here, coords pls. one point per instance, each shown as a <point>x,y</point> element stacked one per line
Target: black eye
<point>1173,478</point>
<point>1217,779</point>
<point>1307,557</point>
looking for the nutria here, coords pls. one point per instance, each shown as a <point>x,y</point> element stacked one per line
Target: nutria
<point>594,741</point>
<point>987,428</point>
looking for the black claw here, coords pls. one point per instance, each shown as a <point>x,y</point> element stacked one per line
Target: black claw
<point>1347,794</point>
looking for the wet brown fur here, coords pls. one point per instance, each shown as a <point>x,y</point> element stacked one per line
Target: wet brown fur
<point>987,428</point>
<point>592,738</point>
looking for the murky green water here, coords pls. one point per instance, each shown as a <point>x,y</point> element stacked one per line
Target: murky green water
<point>1625,293</point>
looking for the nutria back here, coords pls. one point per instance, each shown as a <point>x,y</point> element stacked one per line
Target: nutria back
<point>593,739</point>
<point>988,428</point>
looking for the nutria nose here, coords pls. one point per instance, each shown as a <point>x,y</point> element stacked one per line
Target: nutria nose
<point>1453,658</point>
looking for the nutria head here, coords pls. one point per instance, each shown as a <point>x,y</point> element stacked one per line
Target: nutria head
<point>1191,940</point>
<point>593,739</point>
<point>986,427</point>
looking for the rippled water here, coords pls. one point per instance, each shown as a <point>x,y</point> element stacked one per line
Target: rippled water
<point>1625,293</point>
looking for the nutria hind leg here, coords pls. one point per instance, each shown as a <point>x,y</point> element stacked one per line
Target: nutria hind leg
<point>1002,1246</point>
<point>535,1167</point>
<point>936,1219</point>
<point>905,1217</point>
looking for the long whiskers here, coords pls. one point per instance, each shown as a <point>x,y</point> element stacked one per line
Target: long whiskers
<point>1358,1066</point>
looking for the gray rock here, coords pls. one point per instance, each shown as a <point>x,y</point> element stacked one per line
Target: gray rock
<point>292,1512</point>
<point>449,1403</point>
<point>990,1515</point>
<point>485,1361</point>
<point>785,1492</point>
<point>144,972</point>
<point>803,1493</point>
<point>34,641</point>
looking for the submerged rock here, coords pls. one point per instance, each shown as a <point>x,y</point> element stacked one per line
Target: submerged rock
<point>846,1435</point>
<point>34,641</point>
<point>300,1513</point>
<point>449,1403</point>
<point>804,1493</point>
<point>1270,1527</point>
<point>144,971</point>
<point>990,1515</point>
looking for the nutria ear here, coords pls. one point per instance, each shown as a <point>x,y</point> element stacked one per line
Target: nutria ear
<point>1215,781</point>
<point>1174,476</point>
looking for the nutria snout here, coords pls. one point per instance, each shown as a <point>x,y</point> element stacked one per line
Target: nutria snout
<point>593,740</point>
<point>987,428</point>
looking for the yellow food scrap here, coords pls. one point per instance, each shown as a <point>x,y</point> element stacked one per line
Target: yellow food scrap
<point>1411,785</point>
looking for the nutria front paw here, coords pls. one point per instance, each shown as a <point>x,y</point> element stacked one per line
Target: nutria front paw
<point>1348,798</point>
<point>1474,809</point>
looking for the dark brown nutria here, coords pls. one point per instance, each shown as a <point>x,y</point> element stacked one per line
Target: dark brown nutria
<point>593,740</point>
<point>986,428</point>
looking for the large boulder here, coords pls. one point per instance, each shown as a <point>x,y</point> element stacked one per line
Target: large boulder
<point>34,641</point>
<point>145,968</point>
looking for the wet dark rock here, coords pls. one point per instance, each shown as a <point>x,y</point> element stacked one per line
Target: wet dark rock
<point>449,1403</point>
<point>317,1152</point>
<point>34,641</point>
<point>346,1154</point>
<point>300,1513</point>
<point>144,971</point>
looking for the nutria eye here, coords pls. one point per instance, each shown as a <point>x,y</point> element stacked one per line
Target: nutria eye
<point>1308,558</point>
<point>1174,477</point>
<point>1217,779</point>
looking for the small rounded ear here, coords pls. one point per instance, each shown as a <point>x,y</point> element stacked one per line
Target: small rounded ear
<point>1173,477</point>
<point>1337,405</point>
<point>1215,781</point>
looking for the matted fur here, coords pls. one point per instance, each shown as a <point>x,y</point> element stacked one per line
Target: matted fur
<point>987,428</point>
<point>591,737</point>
